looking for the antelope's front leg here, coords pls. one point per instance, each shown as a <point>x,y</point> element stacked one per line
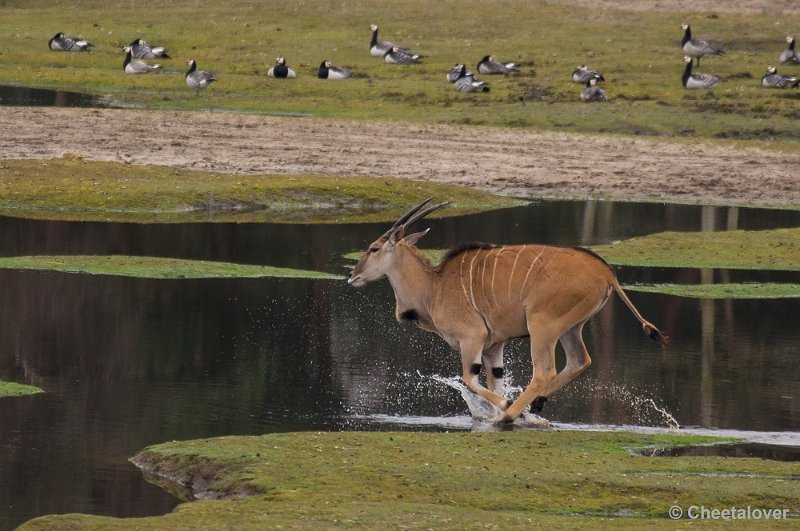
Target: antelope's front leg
<point>471,365</point>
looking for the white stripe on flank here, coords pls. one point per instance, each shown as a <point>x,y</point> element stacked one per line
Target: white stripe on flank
<point>463,286</point>
<point>494,270</point>
<point>511,276</point>
<point>471,292</point>
<point>522,290</point>
<point>483,277</point>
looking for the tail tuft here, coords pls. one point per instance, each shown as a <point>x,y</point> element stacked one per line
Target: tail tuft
<point>655,334</point>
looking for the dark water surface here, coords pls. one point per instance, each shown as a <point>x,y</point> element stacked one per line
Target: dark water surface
<point>129,362</point>
<point>34,97</point>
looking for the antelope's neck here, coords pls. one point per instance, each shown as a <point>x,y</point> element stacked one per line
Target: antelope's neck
<point>412,282</point>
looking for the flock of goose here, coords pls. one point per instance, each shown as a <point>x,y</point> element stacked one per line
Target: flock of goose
<point>697,48</point>
<point>460,76</point>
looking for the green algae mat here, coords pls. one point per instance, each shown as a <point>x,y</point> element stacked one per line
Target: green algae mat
<point>502,480</point>
<point>153,267</point>
<point>8,389</point>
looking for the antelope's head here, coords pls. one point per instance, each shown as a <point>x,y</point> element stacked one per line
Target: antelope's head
<point>380,256</point>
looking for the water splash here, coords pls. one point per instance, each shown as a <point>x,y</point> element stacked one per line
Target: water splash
<point>630,402</point>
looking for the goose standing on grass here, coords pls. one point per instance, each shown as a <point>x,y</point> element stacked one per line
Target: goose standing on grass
<point>280,70</point>
<point>137,67</point>
<point>65,43</point>
<point>582,74</point>
<point>697,81</point>
<point>790,56</point>
<point>380,48</point>
<point>592,92</point>
<point>142,50</point>
<point>198,79</point>
<point>772,79</point>
<point>398,56</point>
<point>466,82</point>
<point>328,71</point>
<point>696,48</point>
<point>489,65</point>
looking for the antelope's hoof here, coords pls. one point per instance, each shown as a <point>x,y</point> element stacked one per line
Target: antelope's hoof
<point>509,402</point>
<point>506,419</point>
<point>538,405</point>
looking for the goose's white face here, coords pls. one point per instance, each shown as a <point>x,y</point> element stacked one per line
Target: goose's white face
<point>327,64</point>
<point>771,70</point>
<point>684,26</point>
<point>127,49</point>
<point>687,59</point>
<point>373,27</point>
<point>190,62</point>
<point>789,39</point>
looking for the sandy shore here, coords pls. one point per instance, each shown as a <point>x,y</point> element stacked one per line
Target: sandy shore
<point>507,161</point>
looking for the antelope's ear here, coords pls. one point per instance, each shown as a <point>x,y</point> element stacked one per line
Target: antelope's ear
<point>395,237</point>
<point>412,239</point>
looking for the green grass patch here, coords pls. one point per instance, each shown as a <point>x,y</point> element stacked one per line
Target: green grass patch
<point>777,249</point>
<point>722,291</point>
<point>16,389</point>
<point>107,191</point>
<point>152,267</point>
<point>513,480</point>
<point>638,51</point>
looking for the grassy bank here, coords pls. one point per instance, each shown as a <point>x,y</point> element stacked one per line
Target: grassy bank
<point>107,191</point>
<point>519,479</point>
<point>8,389</point>
<point>777,249</point>
<point>153,267</point>
<point>638,52</point>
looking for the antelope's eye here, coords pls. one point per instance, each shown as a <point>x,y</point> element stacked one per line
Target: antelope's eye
<point>374,249</point>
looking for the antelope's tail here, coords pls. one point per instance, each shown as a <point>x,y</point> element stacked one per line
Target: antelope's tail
<point>649,328</point>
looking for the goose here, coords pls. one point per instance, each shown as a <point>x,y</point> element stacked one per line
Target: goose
<point>455,72</point>
<point>790,56</point>
<point>696,47</point>
<point>65,43</point>
<point>280,70</point>
<point>695,81</point>
<point>137,67</point>
<point>142,50</point>
<point>328,71</point>
<point>466,82</point>
<point>772,79</point>
<point>398,56</point>
<point>592,92</point>
<point>198,79</point>
<point>582,74</point>
<point>488,65</point>
<point>380,48</point>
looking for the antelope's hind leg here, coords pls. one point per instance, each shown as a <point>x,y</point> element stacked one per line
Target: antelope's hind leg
<point>578,360</point>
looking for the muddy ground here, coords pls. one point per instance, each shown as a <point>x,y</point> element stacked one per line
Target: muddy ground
<point>507,161</point>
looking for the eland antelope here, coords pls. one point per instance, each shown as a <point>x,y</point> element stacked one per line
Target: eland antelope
<point>482,295</point>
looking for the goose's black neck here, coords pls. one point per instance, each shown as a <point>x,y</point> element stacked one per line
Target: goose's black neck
<point>687,73</point>
<point>374,40</point>
<point>687,35</point>
<point>322,73</point>
<point>791,44</point>
<point>192,68</point>
<point>127,60</point>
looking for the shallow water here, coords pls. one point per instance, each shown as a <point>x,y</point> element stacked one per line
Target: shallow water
<point>35,97</point>
<point>130,362</point>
